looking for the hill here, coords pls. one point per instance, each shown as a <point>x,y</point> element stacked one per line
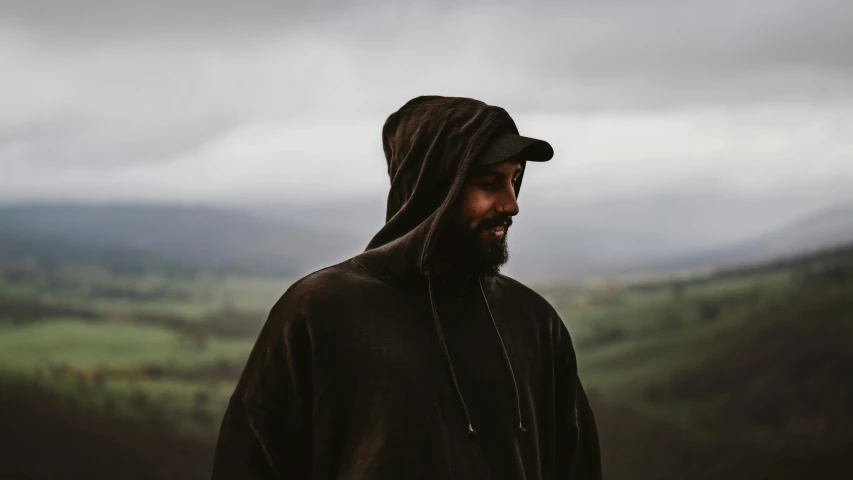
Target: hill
<point>553,240</point>
<point>738,374</point>
<point>824,228</point>
<point>742,374</point>
<point>197,237</point>
<point>46,436</point>
<point>546,244</point>
<point>758,388</point>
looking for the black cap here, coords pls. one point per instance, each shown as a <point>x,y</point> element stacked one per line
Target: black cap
<point>509,145</point>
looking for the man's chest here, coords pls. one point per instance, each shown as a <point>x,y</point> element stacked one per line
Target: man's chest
<point>406,346</point>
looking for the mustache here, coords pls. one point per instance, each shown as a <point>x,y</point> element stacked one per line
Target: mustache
<point>495,222</point>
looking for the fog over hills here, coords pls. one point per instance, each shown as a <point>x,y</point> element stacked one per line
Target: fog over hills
<point>829,227</point>
<point>675,229</point>
<point>548,241</point>
<point>678,127</point>
<point>197,236</point>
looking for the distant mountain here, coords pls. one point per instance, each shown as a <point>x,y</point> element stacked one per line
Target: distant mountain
<point>548,241</point>
<point>560,238</point>
<point>193,236</point>
<point>22,247</point>
<point>825,228</point>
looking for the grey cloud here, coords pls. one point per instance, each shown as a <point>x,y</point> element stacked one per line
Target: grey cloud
<point>700,38</point>
<point>72,143</point>
<point>83,20</point>
<point>706,52</point>
<point>614,55</point>
<point>578,55</point>
<point>99,82</point>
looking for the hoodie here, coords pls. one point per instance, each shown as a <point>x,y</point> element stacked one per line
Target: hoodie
<point>379,368</point>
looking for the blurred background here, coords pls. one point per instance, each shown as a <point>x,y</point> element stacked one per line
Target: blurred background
<point>169,168</point>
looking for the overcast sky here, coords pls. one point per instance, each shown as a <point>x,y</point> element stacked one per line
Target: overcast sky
<point>234,101</point>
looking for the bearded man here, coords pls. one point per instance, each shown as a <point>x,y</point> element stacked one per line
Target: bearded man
<point>417,359</point>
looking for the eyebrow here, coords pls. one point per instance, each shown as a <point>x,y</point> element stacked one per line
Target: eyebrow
<point>488,171</point>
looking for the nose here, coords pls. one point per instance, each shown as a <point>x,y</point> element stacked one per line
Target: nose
<point>508,204</point>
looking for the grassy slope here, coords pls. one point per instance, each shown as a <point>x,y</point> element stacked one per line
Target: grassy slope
<point>45,436</point>
<point>738,377</point>
<point>90,287</point>
<point>82,345</point>
<point>761,394</point>
<point>144,346</point>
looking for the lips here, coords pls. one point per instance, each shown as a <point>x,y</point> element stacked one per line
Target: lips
<point>496,227</point>
<point>497,231</point>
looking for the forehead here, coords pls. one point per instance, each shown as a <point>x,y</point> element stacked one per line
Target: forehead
<point>508,167</point>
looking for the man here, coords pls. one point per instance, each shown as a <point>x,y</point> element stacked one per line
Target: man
<point>416,359</point>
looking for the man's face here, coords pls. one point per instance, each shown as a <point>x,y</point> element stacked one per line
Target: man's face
<point>484,211</point>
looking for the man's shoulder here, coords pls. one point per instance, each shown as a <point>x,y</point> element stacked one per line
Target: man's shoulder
<point>516,289</point>
<point>327,284</point>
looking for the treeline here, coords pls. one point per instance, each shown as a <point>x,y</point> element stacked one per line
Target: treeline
<point>226,323</point>
<point>820,262</point>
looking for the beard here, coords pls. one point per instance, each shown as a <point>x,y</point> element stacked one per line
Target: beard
<point>476,251</point>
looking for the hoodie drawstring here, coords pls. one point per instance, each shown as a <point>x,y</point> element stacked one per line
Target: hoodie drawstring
<point>520,426</point>
<point>471,431</point>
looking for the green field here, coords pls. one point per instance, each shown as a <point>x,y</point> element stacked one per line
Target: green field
<point>142,346</point>
<point>679,359</point>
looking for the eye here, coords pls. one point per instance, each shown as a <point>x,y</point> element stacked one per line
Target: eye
<point>488,182</point>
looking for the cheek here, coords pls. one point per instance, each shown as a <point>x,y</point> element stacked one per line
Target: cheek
<point>475,207</point>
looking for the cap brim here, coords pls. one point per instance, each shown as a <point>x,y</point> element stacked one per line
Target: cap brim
<point>510,145</point>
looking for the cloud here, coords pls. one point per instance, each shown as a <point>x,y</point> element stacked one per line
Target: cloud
<point>749,151</point>
<point>88,20</point>
<point>553,55</point>
<point>68,144</point>
<point>257,100</point>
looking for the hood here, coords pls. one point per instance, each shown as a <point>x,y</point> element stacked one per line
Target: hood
<point>430,144</point>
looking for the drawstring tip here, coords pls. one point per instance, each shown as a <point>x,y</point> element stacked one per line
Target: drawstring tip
<point>521,428</point>
<point>471,432</point>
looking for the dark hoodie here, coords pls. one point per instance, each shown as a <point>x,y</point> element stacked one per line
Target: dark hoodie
<point>376,369</point>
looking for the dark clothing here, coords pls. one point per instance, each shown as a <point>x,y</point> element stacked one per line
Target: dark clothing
<point>381,368</point>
